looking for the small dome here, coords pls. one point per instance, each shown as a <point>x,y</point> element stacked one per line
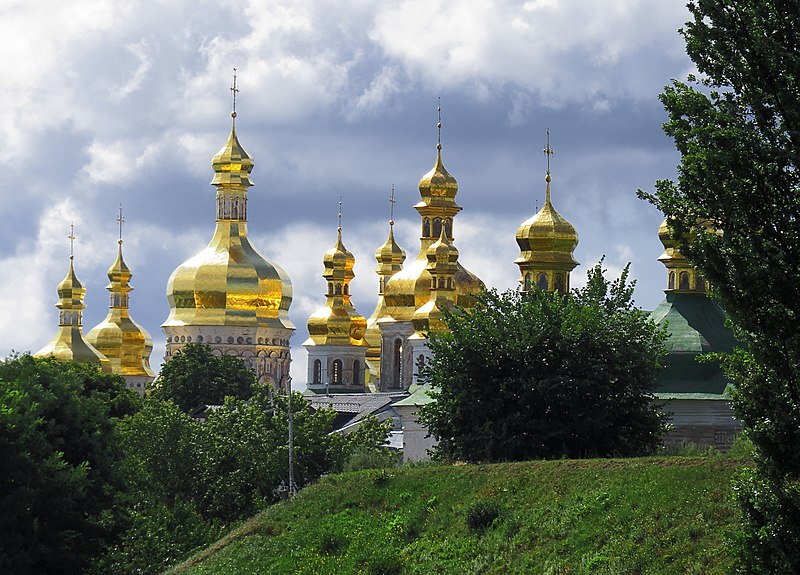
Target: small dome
<point>389,254</point>
<point>438,183</point>
<point>337,322</point>
<point>547,237</point>
<point>232,165</point>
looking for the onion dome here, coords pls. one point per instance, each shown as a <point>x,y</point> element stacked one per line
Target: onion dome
<point>546,242</point>
<point>409,289</point>
<point>229,283</point>
<point>125,343</point>
<point>681,276</point>
<point>337,322</point>
<point>442,259</point>
<point>390,257</point>
<point>69,343</point>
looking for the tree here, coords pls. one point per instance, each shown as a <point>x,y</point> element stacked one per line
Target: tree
<point>737,128</point>
<point>541,375</point>
<point>59,474</point>
<point>189,479</point>
<point>195,377</point>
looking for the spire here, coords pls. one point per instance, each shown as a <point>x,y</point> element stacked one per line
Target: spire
<point>232,166</point>
<point>390,256</point>
<point>546,241</point>
<point>69,343</point>
<point>126,344</point>
<point>548,151</point>
<point>337,323</point>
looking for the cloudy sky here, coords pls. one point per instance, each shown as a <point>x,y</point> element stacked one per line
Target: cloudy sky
<point>114,102</point>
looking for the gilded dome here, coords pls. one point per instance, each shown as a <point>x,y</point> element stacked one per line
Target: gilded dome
<point>547,237</point>
<point>442,259</point>
<point>69,343</point>
<point>125,343</point>
<point>409,289</point>
<point>229,283</point>
<point>337,322</point>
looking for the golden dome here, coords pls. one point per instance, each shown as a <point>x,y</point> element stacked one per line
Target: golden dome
<point>547,239</point>
<point>409,289</point>
<point>229,283</point>
<point>442,259</point>
<point>681,276</point>
<point>337,322</point>
<point>69,343</point>
<point>390,257</point>
<point>125,343</point>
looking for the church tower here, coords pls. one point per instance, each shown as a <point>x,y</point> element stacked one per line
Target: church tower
<point>410,289</point>
<point>546,243</point>
<point>336,345</point>
<point>390,257</point>
<point>69,344</point>
<point>229,296</point>
<point>695,325</point>
<point>125,343</point>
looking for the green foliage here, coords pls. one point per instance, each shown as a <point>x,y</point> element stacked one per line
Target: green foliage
<point>658,516</point>
<point>541,375</point>
<point>189,478</point>
<point>59,472</point>
<point>736,128</point>
<point>194,377</point>
<point>482,514</point>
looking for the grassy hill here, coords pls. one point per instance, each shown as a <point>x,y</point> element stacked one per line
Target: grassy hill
<point>652,515</point>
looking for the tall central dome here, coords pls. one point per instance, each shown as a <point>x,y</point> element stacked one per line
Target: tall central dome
<point>229,296</point>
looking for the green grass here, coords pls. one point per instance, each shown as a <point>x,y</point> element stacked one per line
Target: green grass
<point>649,516</point>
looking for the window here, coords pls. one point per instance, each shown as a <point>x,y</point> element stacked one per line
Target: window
<point>671,284</point>
<point>437,227</point>
<point>317,371</point>
<point>426,228</point>
<point>560,283</point>
<point>337,372</point>
<point>527,283</point>
<point>356,372</point>
<point>448,228</point>
<point>542,282</point>
<point>398,348</point>
<point>684,281</point>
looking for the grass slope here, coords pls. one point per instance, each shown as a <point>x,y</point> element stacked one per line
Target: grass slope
<point>653,515</point>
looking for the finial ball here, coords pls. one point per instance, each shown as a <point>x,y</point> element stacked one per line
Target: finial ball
<point>233,114</point>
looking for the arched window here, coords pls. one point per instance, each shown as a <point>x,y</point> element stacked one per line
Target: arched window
<point>336,378</point>
<point>426,228</point>
<point>700,283</point>
<point>396,356</point>
<point>448,228</point>
<point>346,289</point>
<point>671,284</point>
<point>684,281</point>
<point>542,282</point>
<point>330,288</point>
<point>526,285</point>
<point>317,371</point>
<point>338,289</point>
<point>356,372</point>
<point>437,227</point>
<point>560,283</point>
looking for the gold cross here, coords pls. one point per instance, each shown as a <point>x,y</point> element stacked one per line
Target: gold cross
<point>548,151</point>
<point>234,90</point>
<point>340,213</point>
<point>439,125</point>
<point>392,201</point>
<point>120,221</point>
<point>71,238</point>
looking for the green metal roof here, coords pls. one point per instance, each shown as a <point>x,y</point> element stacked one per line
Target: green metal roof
<point>696,325</point>
<point>419,396</point>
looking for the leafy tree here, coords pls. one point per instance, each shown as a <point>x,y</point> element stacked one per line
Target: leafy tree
<point>59,474</point>
<point>737,128</point>
<point>189,479</point>
<point>195,377</point>
<point>540,375</point>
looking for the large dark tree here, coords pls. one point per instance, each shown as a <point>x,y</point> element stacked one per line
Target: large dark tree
<point>737,128</point>
<point>194,377</point>
<point>541,375</point>
<point>58,462</point>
